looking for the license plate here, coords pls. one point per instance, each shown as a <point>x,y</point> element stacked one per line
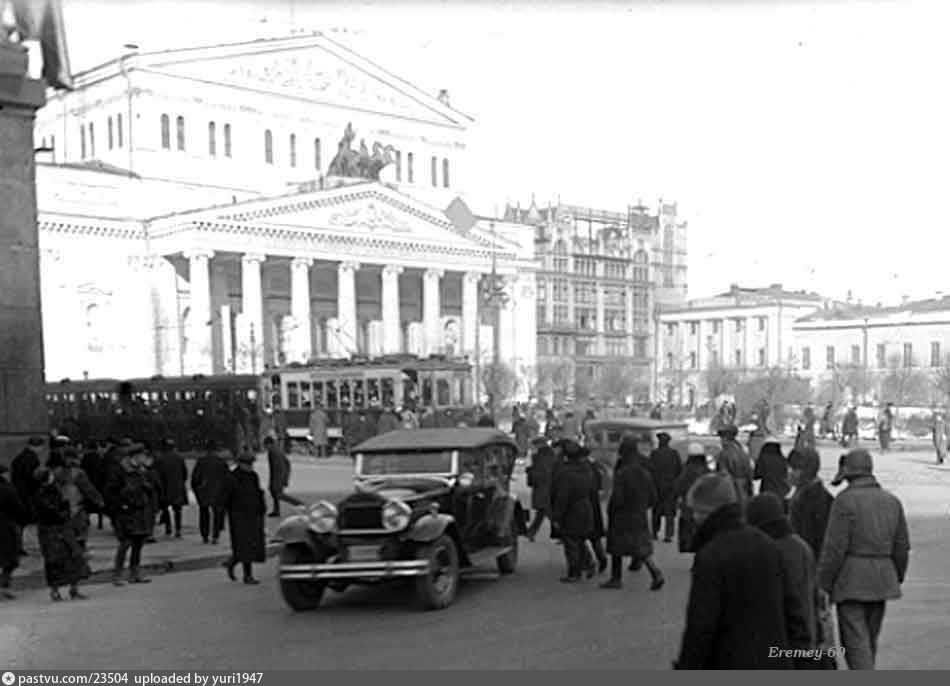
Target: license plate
<point>363,553</point>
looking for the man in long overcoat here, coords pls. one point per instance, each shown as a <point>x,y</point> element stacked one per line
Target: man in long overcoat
<point>278,473</point>
<point>734,461</point>
<point>849,428</point>
<point>771,470</point>
<point>130,498</point>
<point>864,557</point>
<point>318,430</point>
<point>667,467</point>
<point>539,477</point>
<point>388,421</point>
<point>628,527</point>
<point>13,515</point>
<point>940,436</point>
<point>173,477</point>
<point>571,510</point>
<point>22,469</point>
<point>207,482</point>
<point>810,504</point>
<point>243,500</point>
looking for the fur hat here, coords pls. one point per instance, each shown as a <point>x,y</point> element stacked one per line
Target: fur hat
<point>710,492</point>
<point>807,461</point>
<point>855,463</point>
<point>764,508</point>
<point>246,458</point>
<point>728,431</point>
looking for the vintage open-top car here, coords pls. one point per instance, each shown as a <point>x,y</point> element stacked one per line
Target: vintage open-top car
<point>429,505</point>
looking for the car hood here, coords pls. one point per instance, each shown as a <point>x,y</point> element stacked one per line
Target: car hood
<point>400,488</point>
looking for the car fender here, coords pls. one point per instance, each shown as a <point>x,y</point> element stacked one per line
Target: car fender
<point>429,527</point>
<point>295,529</point>
<point>510,509</point>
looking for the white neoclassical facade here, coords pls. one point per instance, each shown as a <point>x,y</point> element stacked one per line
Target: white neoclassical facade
<point>194,219</point>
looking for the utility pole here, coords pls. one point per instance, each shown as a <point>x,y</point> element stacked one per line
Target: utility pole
<point>496,298</point>
<point>865,374</point>
<point>253,351</point>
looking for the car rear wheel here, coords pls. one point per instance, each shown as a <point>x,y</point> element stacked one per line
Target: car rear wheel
<point>508,562</point>
<point>300,596</point>
<point>437,589</point>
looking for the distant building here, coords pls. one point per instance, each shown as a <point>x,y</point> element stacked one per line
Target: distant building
<point>601,274</point>
<point>746,330</point>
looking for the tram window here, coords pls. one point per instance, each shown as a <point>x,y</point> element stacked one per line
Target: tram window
<point>442,394</point>
<point>305,398</point>
<point>333,399</point>
<point>318,393</point>
<point>388,391</point>
<point>372,391</point>
<point>427,391</point>
<point>293,395</point>
<point>359,393</point>
<point>344,393</point>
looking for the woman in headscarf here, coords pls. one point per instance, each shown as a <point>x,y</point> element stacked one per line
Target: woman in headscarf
<point>243,500</point>
<point>628,529</point>
<point>64,561</point>
<point>771,470</point>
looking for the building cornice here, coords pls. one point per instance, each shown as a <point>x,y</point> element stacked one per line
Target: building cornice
<point>95,228</point>
<point>686,313</point>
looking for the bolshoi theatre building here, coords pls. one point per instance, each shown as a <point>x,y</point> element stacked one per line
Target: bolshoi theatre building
<point>228,208</point>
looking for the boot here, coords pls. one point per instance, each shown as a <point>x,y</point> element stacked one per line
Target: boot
<point>74,593</point>
<point>54,595</point>
<point>135,577</point>
<point>117,578</point>
<point>250,580</point>
<point>230,565</point>
<point>612,583</point>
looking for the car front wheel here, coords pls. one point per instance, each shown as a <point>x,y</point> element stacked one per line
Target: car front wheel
<point>508,562</point>
<point>437,589</point>
<point>300,596</point>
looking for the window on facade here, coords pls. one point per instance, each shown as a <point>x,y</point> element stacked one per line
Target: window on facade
<point>445,173</point>
<point>166,133</point>
<point>806,358</point>
<point>935,354</point>
<point>584,347</point>
<point>761,323</point>
<point>559,290</point>
<point>669,360</point>
<point>585,292</point>
<point>586,318</point>
<point>82,142</point>
<point>410,172</point>
<point>641,267</point>
<point>715,326</point>
<point>268,147</point>
<point>52,145</point>
<point>110,133</point>
<point>641,308</point>
<point>829,357</point>
<point>761,357</point>
<point>293,150</point>
<point>561,313</point>
<point>670,329</point>
<point>118,129</point>
<point>212,140</point>
<point>640,347</point>
<point>615,321</point>
<point>227,140</point>
<point>317,155</point>
<point>616,348</point>
<point>713,358</point>
<point>398,165</point>
<point>585,267</point>
<point>180,132</point>
<point>855,355</point>
<point>881,356</point>
<point>435,172</point>
<point>615,270</point>
<point>668,257</point>
<point>692,361</point>
<point>738,358</point>
<point>908,355</point>
<point>92,140</point>
<point>541,314</point>
<point>693,328</point>
<point>738,326</point>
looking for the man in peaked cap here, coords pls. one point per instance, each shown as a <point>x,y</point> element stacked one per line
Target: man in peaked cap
<point>864,556</point>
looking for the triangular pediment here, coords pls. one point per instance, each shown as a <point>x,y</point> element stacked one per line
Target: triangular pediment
<point>313,68</point>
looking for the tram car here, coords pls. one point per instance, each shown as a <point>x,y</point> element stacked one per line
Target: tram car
<point>234,410</point>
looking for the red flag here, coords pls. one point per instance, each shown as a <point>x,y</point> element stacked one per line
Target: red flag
<point>42,20</point>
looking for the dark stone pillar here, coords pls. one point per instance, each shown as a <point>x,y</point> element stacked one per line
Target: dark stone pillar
<point>22,407</point>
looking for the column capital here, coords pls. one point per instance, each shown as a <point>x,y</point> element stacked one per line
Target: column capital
<point>198,254</point>
<point>348,265</point>
<point>252,258</point>
<point>393,270</point>
<point>434,273</point>
<point>301,262</point>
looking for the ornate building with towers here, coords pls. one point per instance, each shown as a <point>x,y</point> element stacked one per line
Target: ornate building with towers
<point>228,208</point>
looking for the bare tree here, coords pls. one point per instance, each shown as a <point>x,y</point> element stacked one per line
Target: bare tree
<point>555,378</point>
<point>720,380</point>
<point>904,384</point>
<point>500,382</point>
<point>615,382</point>
<point>674,377</point>
<point>941,379</point>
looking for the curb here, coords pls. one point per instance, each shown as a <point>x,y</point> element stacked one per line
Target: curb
<point>37,579</point>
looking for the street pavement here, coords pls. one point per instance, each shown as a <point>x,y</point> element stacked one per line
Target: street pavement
<point>201,620</point>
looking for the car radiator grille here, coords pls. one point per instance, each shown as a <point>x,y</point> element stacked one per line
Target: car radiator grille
<point>363,516</point>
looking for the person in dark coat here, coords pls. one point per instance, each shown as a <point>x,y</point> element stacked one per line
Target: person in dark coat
<point>131,501</point>
<point>207,481</point>
<point>147,461</point>
<point>766,512</point>
<point>13,515</point>
<point>91,464</point>
<point>552,427</point>
<point>597,539</point>
<point>243,500</point>
<point>485,421</point>
<point>734,461</point>
<point>22,470</point>
<point>628,529</point>
<point>771,470</point>
<point>64,562</point>
<point>810,503</point>
<point>82,495</point>
<point>173,477</point>
<point>571,511</point>
<point>539,477</point>
<point>278,473</point>
<point>696,467</point>
<point>849,428</point>
<point>885,427</point>
<point>667,466</point>
<point>388,421</point>
<point>742,609</point>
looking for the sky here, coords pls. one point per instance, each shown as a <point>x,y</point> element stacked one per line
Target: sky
<point>805,143</point>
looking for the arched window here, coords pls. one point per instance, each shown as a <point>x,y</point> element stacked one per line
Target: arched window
<point>317,157</point>
<point>398,165</point>
<point>435,170</point>
<point>180,130</point>
<point>166,133</point>
<point>110,133</point>
<point>641,268</point>
<point>227,140</point>
<point>268,147</point>
<point>118,129</point>
<point>409,170</point>
<point>293,150</point>
<point>212,140</point>
<point>445,173</point>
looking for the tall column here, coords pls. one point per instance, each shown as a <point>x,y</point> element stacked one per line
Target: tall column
<point>300,308</point>
<point>601,324</point>
<point>199,320</point>
<point>252,307</point>
<point>346,307</point>
<point>748,358</point>
<point>432,310</point>
<point>392,324</point>
<point>22,405</point>
<point>702,351</point>
<point>470,323</point>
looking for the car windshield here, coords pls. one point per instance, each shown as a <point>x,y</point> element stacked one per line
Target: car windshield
<point>430,462</point>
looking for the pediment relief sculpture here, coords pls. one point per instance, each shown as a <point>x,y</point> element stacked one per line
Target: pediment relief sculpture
<point>370,217</point>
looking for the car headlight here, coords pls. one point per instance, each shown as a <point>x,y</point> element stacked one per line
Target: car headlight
<point>466,480</point>
<point>323,517</point>
<point>396,515</point>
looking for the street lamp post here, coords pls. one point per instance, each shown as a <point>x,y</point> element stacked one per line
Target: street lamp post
<point>494,296</point>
